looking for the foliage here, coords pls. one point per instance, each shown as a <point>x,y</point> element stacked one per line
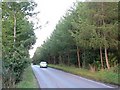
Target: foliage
<point>91,29</point>
<point>17,37</point>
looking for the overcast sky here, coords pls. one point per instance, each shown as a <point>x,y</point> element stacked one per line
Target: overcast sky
<point>51,11</point>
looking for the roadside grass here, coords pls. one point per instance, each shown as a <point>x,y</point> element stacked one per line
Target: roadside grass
<point>29,80</point>
<point>104,75</point>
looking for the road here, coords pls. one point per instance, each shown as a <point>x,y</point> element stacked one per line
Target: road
<point>53,78</point>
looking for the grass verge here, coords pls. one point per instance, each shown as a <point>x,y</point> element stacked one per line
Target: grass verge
<point>104,76</point>
<point>29,80</point>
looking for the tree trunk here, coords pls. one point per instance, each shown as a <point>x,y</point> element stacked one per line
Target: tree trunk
<point>101,58</point>
<point>106,57</point>
<point>14,27</point>
<point>12,81</point>
<point>54,59</point>
<point>14,34</point>
<point>68,59</point>
<point>78,56</point>
<point>60,59</point>
<point>50,59</point>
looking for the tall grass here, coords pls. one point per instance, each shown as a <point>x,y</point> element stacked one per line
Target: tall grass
<point>106,76</point>
<point>29,80</point>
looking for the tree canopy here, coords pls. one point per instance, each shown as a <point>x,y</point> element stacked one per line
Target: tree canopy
<point>85,37</point>
<point>17,38</point>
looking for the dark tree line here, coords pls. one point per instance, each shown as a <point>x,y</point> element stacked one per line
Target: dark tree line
<point>87,37</point>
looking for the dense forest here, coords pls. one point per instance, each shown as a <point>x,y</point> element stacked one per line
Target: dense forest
<point>17,38</point>
<point>86,37</point>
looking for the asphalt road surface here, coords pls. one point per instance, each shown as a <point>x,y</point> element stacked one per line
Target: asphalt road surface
<point>53,78</point>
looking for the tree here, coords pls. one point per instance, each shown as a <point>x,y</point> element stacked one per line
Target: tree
<point>104,17</point>
<point>17,37</point>
<point>90,29</point>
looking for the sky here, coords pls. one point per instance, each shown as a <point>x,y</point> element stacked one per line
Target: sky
<point>50,13</point>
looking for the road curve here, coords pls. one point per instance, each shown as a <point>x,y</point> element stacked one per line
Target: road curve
<point>53,78</point>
